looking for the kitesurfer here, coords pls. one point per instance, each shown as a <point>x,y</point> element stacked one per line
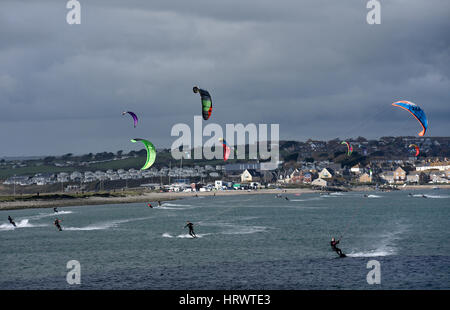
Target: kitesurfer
<point>149,205</point>
<point>11,221</point>
<point>286,198</point>
<point>333,244</point>
<point>55,210</point>
<point>56,222</point>
<point>159,203</point>
<point>191,229</point>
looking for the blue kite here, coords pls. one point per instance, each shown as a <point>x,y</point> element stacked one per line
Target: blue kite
<point>416,111</point>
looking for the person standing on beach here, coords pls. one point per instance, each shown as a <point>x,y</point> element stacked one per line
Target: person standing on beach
<point>11,221</point>
<point>191,229</point>
<point>56,222</point>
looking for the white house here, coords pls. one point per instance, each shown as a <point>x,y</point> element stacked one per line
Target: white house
<point>388,176</point>
<point>356,169</point>
<point>441,166</point>
<point>412,178</point>
<point>249,175</point>
<point>62,177</point>
<point>326,173</point>
<point>438,177</point>
<point>74,176</point>
<point>218,184</point>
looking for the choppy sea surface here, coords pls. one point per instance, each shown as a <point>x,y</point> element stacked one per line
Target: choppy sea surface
<point>244,242</point>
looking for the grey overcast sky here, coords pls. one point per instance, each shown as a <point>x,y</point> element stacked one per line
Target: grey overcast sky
<point>314,67</point>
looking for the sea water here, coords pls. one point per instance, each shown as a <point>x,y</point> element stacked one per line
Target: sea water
<point>244,242</point>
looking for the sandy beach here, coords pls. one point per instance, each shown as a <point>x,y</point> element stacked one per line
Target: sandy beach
<point>144,197</point>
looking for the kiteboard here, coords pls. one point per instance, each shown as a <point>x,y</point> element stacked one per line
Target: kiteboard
<point>341,256</point>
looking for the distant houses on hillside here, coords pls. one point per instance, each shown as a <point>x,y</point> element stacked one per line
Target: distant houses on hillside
<point>381,172</point>
<point>320,174</point>
<point>113,175</point>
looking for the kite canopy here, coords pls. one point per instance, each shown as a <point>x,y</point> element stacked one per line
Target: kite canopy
<point>349,148</point>
<point>135,118</point>
<point>416,147</point>
<point>416,111</point>
<point>226,149</point>
<point>151,152</point>
<point>206,102</point>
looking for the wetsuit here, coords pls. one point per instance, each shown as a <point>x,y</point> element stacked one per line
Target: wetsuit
<point>57,224</point>
<point>336,249</point>
<point>11,221</point>
<point>159,203</point>
<point>54,209</point>
<point>191,229</point>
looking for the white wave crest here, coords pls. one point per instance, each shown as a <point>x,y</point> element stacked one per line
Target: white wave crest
<point>42,215</point>
<point>104,225</point>
<point>168,204</point>
<point>21,224</point>
<point>374,253</point>
<point>437,196</point>
<point>386,244</point>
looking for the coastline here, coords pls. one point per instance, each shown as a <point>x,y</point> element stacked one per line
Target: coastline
<point>144,197</point>
<point>167,196</point>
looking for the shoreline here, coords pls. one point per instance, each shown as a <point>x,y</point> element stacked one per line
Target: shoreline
<point>144,197</point>
<point>168,196</point>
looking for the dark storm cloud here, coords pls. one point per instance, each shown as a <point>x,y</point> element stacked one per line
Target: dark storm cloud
<point>315,67</point>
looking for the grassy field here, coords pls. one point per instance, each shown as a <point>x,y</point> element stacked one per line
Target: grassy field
<point>134,162</point>
<point>32,170</point>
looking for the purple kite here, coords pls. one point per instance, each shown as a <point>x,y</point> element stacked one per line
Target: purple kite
<point>133,115</point>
